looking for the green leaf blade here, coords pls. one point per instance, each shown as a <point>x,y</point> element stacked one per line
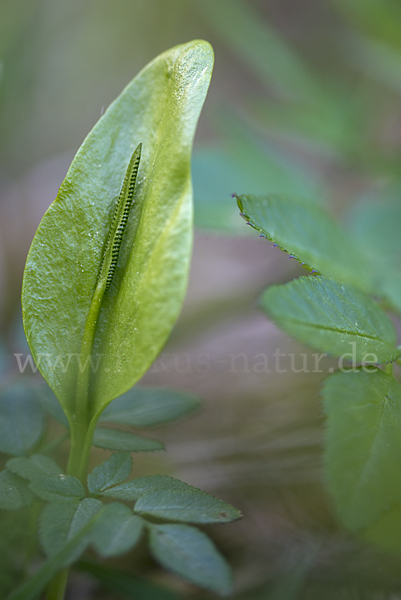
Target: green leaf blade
<point>34,467</point>
<point>159,109</point>
<point>333,317</point>
<point>188,505</point>
<point>53,487</point>
<point>363,444</point>
<point>61,521</point>
<point>189,553</point>
<point>133,489</point>
<point>117,531</point>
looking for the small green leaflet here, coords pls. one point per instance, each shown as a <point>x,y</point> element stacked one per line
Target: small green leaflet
<point>146,406</point>
<point>333,317</point>
<point>46,478</point>
<point>61,520</point>
<point>110,472</point>
<point>34,467</point>
<point>53,487</point>
<point>133,489</point>
<point>189,553</point>
<point>363,444</point>
<point>187,504</point>
<point>308,234</point>
<point>167,498</point>
<point>21,419</point>
<point>114,439</point>
<point>116,531</point>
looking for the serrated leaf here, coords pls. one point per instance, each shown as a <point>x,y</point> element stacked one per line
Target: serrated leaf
<point>78,541</point>
<point>14,492</point>
<point>143,407</point>
<point>363,444</point>
<point>112,471</point>
<point>114,439</point>
<point>117,531</point>
<point>34,467</point>
<point>189,553</point>
<point>159,109</point>
<point>168,498</point>
<point>21,419</point>
<point>54,487</point>
<point>133,489</point>
<point>333,317</point>
<point>186,504</point>
<point>309,235</point>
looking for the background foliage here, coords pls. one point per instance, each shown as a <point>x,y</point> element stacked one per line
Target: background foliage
<point>305,100</point>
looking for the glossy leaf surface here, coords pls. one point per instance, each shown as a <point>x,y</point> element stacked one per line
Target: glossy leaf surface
<point>333,317</point>
<point>159,109</point>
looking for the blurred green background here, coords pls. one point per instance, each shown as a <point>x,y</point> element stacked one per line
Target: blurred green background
<point>305,100</point>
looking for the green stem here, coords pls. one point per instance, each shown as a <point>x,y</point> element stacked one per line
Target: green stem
<point>56,588</point>
<point>82,425</point>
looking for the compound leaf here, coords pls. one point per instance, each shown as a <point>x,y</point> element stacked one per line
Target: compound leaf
<point>334,317</point>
